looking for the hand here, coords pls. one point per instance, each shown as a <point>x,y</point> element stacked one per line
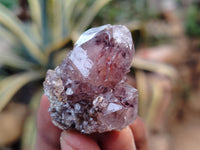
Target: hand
<point>50,137</point>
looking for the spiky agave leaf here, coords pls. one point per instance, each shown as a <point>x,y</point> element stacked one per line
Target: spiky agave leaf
<point>63,26</point>
<point>11,84</point>
<point>35,11</point>
<point>14,25</point>
<point>36,20</point>
<point>9,58</point>
<point>87,17</point>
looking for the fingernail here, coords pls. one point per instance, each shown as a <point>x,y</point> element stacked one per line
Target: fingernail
<point>134,146</point>
<point>133,141</point>
<point>63,141</point>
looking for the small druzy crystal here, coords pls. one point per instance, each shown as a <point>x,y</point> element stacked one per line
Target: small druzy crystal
<point>88,92</point>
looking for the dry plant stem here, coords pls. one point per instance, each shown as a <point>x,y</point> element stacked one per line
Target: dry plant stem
<point>156,100</point>
<point>156,67</point>
<point>142,86</point>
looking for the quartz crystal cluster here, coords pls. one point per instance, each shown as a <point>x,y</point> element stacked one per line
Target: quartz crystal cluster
<point>88,90</point>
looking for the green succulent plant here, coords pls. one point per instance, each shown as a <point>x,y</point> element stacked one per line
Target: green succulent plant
<point>29,48</point>
<point>33,44</point>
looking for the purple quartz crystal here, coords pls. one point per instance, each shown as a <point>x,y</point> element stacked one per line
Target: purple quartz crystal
<point>88,92</point>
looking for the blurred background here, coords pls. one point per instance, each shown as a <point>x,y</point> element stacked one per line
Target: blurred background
<point>35,35</point>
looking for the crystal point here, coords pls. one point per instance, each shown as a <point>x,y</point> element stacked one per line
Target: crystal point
<point>87,91</point>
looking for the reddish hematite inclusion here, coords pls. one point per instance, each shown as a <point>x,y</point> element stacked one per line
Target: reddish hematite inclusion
<point>87,91</point>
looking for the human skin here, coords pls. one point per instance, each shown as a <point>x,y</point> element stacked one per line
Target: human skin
<point>50,137</point>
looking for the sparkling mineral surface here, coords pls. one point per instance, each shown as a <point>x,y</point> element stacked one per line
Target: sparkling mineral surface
<point>88,92</point>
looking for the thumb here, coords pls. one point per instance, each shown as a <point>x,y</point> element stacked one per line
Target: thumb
<point>71,140</point>
<point>63,141</point>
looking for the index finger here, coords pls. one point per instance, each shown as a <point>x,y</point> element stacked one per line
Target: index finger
<point>48,135</point>
<point>140,134</point>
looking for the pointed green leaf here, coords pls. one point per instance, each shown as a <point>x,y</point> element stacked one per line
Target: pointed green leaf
<point>56,46</point>
<point>35,10</point>
<point>10,85</point>
<point>6,35</point>
<point>87,17</point>
<point>68,11</point>
<point>55,16</point>
<point>61,25</point>
<point>9,58</point>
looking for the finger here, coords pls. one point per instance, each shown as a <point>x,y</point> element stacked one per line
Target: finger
<point>118,140</point>
<point>48,135</point>
<point>71,140</point>
<point>140,134</point>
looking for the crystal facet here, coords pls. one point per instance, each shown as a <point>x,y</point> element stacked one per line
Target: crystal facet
<point>87,91</point>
